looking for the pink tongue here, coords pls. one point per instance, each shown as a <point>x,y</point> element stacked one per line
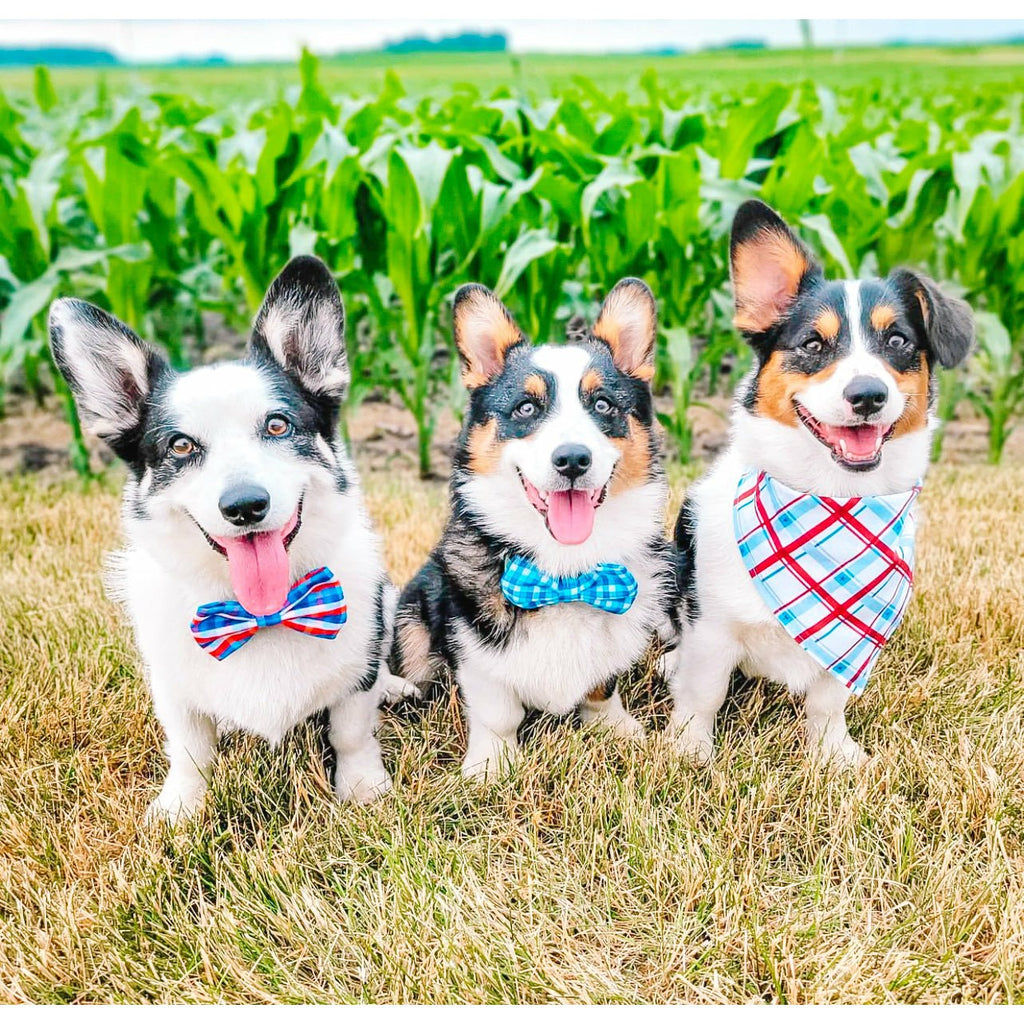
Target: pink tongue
<point>570,516</point>
<point>258,564</point>
<point>859,442</point>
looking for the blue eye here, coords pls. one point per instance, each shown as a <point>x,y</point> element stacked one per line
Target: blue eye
<point>278,426</point>
<point>524,410</point>
<point>603,407</point>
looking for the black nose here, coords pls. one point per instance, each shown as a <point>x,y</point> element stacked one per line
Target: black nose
<point>244,504</point>
<point>571,460</point>
<point>866,394</point>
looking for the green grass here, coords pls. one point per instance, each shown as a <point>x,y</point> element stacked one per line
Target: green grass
<point>360,73</point>
<point>600,871</point>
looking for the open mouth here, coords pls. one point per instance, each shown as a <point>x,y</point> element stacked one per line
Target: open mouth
<point>568,514</point>
<point>858,447</point>
<point>258,563</point>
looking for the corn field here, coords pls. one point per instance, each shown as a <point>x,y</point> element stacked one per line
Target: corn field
<point>174,213</point>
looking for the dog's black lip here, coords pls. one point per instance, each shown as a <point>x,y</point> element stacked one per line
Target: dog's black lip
<point>810,422</point>
<point>220,549</point>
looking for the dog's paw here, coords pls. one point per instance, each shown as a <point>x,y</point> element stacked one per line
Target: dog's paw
<point>362,785</point>
<point>488,765</point>
<point>172,808</point>
<point>396,688</point>
<point>617,721</point>
<point>847,754</point>
<point>693,742</point>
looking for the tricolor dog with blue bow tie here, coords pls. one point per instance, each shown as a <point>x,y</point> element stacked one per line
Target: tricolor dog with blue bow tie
<point>251,573</point>
<point>800,539</point>
<point>552,576</point>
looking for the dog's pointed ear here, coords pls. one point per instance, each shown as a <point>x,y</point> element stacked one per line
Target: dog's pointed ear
<point>301,324</point>
<point>948,323</point>
<point>628,325</point>
<point>768,265</point>
<point>110,370</point>
<point>484,332</point>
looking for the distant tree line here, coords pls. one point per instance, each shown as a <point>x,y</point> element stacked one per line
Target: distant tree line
<point>462,42</point>
<point>57,56</point>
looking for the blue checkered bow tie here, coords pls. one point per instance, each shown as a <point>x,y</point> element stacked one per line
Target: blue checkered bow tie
<point>315,605</point>
<point>608,586</point>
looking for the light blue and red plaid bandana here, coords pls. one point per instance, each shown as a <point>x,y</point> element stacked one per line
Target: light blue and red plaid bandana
<point>836,572</point>
<point>315,605</point>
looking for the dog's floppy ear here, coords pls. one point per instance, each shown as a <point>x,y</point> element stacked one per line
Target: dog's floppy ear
<point>110,370</point>
<point>768,264</point>
<point>948,323</point>
<point>484,332</point>
<point>302,325</point>
<point>628,324</point>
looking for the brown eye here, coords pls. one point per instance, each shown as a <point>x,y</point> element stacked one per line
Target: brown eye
<point>182,446</point>
<point>278,426</point>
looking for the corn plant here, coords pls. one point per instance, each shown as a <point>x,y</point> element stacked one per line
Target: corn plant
<point>173,211</point>
<point>997,382</point>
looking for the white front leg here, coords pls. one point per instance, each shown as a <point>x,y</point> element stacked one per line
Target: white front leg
<point>360,774</point>
<point>601,710</point>
<point>493,716</point>
<point>705,658</point>
<point>191,748</point>
<point>825,722</point>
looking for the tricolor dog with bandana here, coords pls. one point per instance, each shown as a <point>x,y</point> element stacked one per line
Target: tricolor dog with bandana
<point>800,539</point>
<point>254,581</point>
<point>552,575</point>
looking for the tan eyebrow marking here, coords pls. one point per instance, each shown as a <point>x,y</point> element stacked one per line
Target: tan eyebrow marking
<point>827,324</point>
<point>535,385</point>
<point>882,316</point>
<point>591,381</point>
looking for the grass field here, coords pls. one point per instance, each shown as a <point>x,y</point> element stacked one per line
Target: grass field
<point>359,73</point>
<point>600,871</point>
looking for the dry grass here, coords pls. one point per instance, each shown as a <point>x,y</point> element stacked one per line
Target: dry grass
<point>598,872</point>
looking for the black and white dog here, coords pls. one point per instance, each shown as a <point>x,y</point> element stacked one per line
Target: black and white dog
<point>552,575</point>
<point>800,536</point>
<point>238,488</point>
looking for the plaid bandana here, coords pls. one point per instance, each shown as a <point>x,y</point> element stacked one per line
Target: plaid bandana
<point>835,572</point>
<point>315,605</point>
<point>608,586</point>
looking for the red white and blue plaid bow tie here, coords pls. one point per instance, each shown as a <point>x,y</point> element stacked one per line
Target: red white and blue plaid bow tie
<point>315,605</point>
<point>835,572</point>
<point>609,587</point>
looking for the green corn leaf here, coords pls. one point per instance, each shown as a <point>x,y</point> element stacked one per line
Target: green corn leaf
<point>822,227</point>
<point>46,96</point>
<point>531,245</point>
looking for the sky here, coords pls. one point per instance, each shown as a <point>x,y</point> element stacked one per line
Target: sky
<point>155,40</point>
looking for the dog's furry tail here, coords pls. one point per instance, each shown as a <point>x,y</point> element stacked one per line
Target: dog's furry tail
<point>416,653</point>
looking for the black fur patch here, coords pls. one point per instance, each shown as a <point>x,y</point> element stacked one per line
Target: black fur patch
<point>374,652</point>
<point>686,553</point>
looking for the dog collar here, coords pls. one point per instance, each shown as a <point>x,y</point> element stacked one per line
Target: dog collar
<point>608,586</point>
<point>835,572</point>
<point>315,606</point>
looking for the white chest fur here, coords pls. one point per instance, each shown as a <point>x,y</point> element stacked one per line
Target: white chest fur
<point>560,653</point>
